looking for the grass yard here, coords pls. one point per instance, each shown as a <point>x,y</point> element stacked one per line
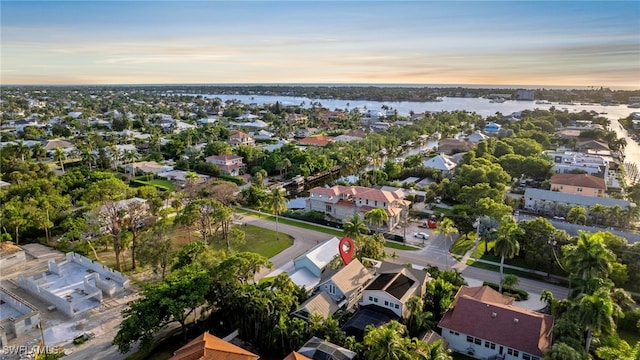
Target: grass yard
<point>296,223</point>
<point>257,240</point>
<point>463,244</point>
<point>440,210</point>
<point>398,246</point>
<point>480,251</point>
<point>159,182</point>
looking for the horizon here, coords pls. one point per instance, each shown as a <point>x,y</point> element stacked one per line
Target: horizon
<point>525,44</point>
<point>380,85</point>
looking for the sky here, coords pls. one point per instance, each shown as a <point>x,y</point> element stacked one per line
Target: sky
<point>527,43</point>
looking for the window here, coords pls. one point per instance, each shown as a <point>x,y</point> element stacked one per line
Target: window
<point>328,208</point>
<point>386,303</point>
<point>332,289</point>
<point>489,345</point>
<point>398,307</point>
<point>375,300</point>
<point>27,321</point>
<point>526,357</point>
<point>376,203</point>
<point>367,202</point>
<point>513,352</point>
<point>469,338</point>
<point>535,358</point>
<point>370,298</point>
<point>579,189</point>
<point>477,341</point>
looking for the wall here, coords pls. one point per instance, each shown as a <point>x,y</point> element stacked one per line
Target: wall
<point>33,288</point>
<point>382,297</point>
<point>103,271</point>
<point>16,258</point>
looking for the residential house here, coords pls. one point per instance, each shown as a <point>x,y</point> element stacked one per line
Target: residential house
<point>308,267</point>
<point>318,349</point>
<point>568,161</point>
<point>393,286</point>
<point>250,126</point>
<point>440,162</point>
<point>237,138</point>
<point>291,119</point>
<point>452,146</point>
<point>484,324</point>
<point>247,116</point>
<point>342,202</point>
<point>210,347</point>
<point>318,140</point>
<point>51,145</point>
<point>580,184</point>
<point>147,167</point>
<point>554,202</point>
<point>591,144</point>
<point>492,128</point>
<point>523,94</point>
<point>477,136</point>
<point>228,164</point>
<point>343,289</point>
<point>294,355</point>
<point>179,177</point>
<point>378,126</point>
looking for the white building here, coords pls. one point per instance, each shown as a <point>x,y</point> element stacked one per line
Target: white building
<point>567,161</point>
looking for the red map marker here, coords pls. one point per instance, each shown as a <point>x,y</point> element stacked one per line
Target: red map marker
<point>346,248</point>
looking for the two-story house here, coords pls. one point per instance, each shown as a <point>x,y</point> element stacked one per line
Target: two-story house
<point>484,324</point>
<point>228,164</point>
<point>393,286</point>
<point>343,289</point>
<point>343,202</point>
<point>579,184</point>
<point>237,138</point>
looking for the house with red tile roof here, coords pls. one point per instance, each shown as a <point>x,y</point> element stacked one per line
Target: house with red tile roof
<point>485,324</point>
<point>237,138</point>
<point>210,347</point>
<point>342,202</point>
<point>228,164</point>
<point>318,140</point>
<point>578,184</point>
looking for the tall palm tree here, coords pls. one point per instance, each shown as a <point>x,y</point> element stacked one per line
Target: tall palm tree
<point>547,297</point>
<point>59,156</point>
<point>577,214</point>
<point>596,212</point>
<point>589,257</point>
<point>595,312</point>
<point>447,228</point>
<point>354,227</point>
<point>277,204</point>
<point>387,342</point>
<point>506,244</point>
<point>376,217</point>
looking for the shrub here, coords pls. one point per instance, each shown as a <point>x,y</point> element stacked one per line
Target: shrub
<point>514,293</point>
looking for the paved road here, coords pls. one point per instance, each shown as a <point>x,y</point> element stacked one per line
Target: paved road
<point>432,254</point>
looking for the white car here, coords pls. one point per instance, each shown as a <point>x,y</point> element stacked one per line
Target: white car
<point>421,235</point>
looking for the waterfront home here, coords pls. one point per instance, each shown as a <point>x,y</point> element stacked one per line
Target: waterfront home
<point>237,138</point>
<point>441,162</point>
<point>228,164</point>
<point>492,128</point>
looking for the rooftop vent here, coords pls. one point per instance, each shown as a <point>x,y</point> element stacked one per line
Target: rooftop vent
<point>515,320</point>
<point>494,314</point>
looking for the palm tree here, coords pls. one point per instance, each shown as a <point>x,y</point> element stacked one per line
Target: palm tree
<point>577,214</point>
<point>596,212</point>
<point>376,217</point>
<point>589,257</point>
<point>595,312</point>
<point>277,204</point>
<point>547,297</point>
<point>59,156</point>
<point>447,228</point>
<point>386,342</point>
<point>354,227</point>
<point>506,244</point>
<point>191,178</point>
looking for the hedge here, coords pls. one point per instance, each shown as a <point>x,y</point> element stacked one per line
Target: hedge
<point>517,294</point>
<point>234,179</point>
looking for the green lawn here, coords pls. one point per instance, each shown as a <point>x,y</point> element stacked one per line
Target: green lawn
<point>260,240</point>
<point>440,210</point>
<point>160,182</point>
<point>463,244</point>
<point>300,224</point>
<point>398,246</point>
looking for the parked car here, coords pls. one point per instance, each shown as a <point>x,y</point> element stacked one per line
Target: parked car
<point>421,235</point>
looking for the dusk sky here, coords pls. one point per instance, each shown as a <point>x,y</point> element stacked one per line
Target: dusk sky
<point>535,43</point>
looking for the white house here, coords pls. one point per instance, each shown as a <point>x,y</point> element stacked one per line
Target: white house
<point>393,286</point>
<point>308,267</point>
<point>477,136</point>
<point>440,162</point>
<point>484,324</point>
